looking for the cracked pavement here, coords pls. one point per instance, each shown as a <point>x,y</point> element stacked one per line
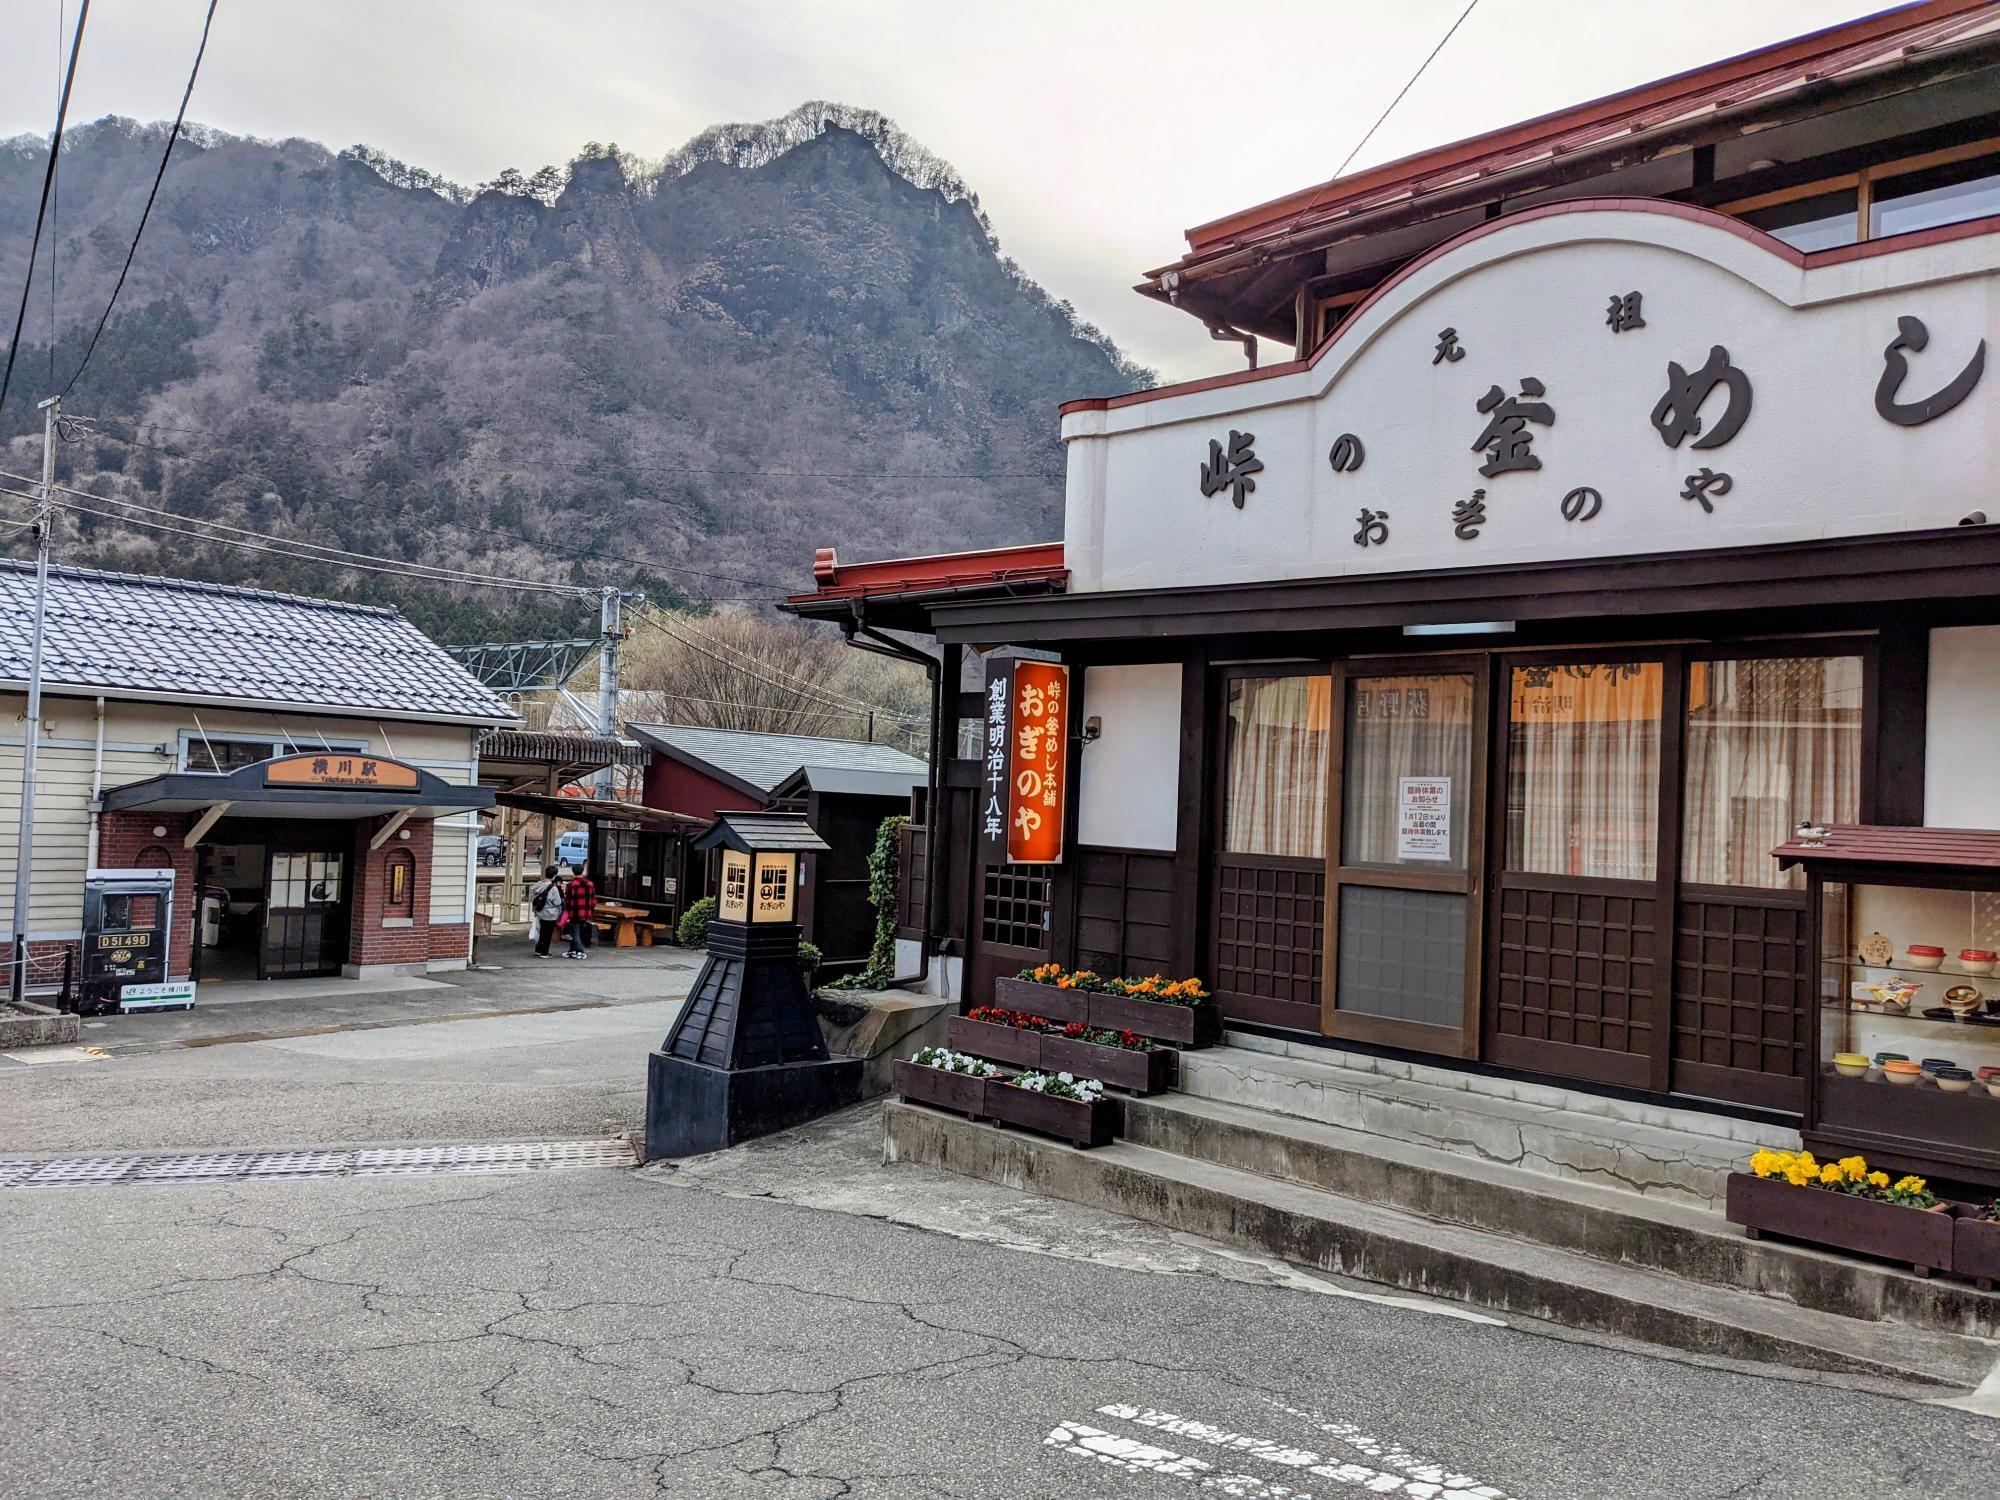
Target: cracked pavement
<point>613,1333</point>
<point>791,1319</point>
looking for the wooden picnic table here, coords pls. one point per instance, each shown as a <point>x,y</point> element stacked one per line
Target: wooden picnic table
<point>625,922</point>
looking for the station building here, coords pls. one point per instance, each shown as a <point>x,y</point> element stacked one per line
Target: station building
<point>306,768</point>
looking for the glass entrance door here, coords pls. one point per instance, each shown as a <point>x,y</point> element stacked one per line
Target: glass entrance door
<point>305,914</point>
<point>1405,854</point>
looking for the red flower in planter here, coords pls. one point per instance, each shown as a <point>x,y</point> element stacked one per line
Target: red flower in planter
<point>1075,1030</point>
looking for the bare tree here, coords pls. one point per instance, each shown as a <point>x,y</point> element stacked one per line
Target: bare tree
<point>776,676</point>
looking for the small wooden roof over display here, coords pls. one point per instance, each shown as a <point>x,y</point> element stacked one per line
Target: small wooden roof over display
<point>1845,844</point>
<point>762,833</point>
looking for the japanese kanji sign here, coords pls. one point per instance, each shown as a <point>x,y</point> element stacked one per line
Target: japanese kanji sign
<point>1022,790</point>
<point>342,769</point>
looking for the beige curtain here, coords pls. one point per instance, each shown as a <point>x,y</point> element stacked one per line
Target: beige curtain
<point>1418,725</point>
<point>1278,733</point>
<point>1769,742</point>
<point>1584,770</point>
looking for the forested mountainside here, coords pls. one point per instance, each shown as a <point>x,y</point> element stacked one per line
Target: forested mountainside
<point>687,374</point>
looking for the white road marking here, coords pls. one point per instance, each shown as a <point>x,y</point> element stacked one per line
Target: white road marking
<point>1982,1402</point>
<point>57,1055</point>
<point>1283,1273</point>
<point>1400,1472</point>
<point>1135,1457</point>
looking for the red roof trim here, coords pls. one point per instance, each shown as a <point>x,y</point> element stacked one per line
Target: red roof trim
<point>1684,91</point>
<point>1037,562</point>
<point>1969,229</point>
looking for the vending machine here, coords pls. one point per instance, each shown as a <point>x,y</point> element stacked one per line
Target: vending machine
<point>127,928</point>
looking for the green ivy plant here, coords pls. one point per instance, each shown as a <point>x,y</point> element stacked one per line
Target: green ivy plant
<point>884,865</point>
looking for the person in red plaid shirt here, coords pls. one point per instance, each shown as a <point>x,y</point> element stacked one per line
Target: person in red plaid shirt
<point>579,906</point>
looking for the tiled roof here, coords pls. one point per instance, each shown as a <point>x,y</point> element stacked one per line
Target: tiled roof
<point>130,633</point>
<point>764,760</point>
<point>1888,40</point>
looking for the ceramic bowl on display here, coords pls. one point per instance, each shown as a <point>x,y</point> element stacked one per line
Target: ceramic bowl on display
<point>1993,1087</point>
<point>1989,1073</point>
<point>1882,1059</point>
<point>1978,960</point>
<point>1952,1080</point>
<point>1963,1000</point>
<point>1902,1071</point>
<point>1932,1064</point>
<point>1850,1065</point>
<point>1923,956</point>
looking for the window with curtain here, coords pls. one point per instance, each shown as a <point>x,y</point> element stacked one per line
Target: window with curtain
<point>1583,764</point>
<point>1275,800</point>
<point>1397,728</point>
<point>1770,741</point>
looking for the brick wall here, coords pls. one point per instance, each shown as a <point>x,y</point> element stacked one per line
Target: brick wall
<point>123,836</point>
<point>369,941</point>
<point>451,940</point>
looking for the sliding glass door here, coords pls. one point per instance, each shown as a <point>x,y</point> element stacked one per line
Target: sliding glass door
<point>1405,853</point>
<point>1582,911</point>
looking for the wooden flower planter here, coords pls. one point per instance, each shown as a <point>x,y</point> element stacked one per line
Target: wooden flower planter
<point>960,1093</point>
<point>1008,1044</point>
<point>1042,999</point>
<point>1920,1238</point>
<point>1975,1248</point>
<point>1116,1067</point>
<point>1081,1123</point>
<point>1188,1025</point>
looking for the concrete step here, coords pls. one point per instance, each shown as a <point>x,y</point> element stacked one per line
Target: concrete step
<point>1387,1245</point>
<point>1604,1223</point>
<point>1656,1151</point>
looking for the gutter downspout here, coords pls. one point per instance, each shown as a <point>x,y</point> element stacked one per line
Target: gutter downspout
<point>96,783</point>
<point>856,630</point>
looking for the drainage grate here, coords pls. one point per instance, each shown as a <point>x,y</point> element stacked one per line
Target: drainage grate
<point>311,1165</point>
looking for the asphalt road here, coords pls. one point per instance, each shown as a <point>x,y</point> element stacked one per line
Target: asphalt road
<point>530,1050</point>
<point>791,1319</point>
<point>613,1333</point>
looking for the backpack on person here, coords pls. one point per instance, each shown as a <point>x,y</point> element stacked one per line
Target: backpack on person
<point>549,901</point>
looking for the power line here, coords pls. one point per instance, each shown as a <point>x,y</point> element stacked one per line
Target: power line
<point>48,183</point>
<point>166,155</point>
<point>793,713</point>
<point>571,553</point>
<point>1369,134</point>
<point>651,468</point>
<point>744,660</point>
<point>284,547</point>
<point>452,575</point>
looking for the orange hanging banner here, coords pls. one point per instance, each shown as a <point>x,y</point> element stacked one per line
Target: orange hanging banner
<point>1037,762</point>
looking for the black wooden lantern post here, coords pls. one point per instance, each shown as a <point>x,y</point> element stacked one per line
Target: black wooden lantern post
<point>746,1056</point>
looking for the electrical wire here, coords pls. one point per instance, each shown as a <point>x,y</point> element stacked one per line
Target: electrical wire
<point>744,661</point>
<point>698,468</point>
<point>1369,134</point>
<point>165,156</point>
<point>452,575</point>
<point>286,547</point>
<point>91,424</point>
<point>792,713</point>
<point>48,183</point>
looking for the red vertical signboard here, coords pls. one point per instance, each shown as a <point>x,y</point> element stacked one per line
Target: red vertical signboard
<point>1027,733</point>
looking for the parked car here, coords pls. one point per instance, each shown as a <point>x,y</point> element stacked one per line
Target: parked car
<point>492,849</point>
<point>573,848</point>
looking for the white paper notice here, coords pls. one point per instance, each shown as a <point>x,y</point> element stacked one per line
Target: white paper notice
<point>1423,818</point>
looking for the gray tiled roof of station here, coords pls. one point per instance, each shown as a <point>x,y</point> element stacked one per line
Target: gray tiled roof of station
<point>764,760</point>
<point>129,633</point>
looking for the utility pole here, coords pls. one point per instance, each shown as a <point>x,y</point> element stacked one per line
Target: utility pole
<point>17,988</point>
<point>613,629</point>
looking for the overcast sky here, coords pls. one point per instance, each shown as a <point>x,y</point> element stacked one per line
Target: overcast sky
<point>1094,133</point>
